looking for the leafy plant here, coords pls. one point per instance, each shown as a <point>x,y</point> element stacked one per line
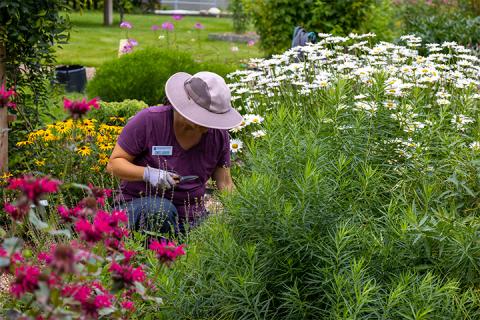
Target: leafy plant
<point>436,21</point>
<point>92,276</point>
<point>113,113</point>
<point>240,17</point>
<point>362,199</point>
<point>142,75</point>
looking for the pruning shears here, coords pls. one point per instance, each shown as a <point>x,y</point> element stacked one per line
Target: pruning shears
<point>186,178</point>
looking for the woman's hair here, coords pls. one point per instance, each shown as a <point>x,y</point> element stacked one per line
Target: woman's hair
<point>166,102</point>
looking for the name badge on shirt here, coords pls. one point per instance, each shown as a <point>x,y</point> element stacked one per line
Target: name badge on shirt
<point>162,150</point>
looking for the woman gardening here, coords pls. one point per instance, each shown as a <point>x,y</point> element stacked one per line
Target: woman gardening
<point>166,154</point>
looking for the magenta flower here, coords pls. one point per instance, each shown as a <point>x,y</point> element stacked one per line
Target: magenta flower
<point>167,252</point>
<point>250,43</point>
<point>78,109</point>
<point>103,301</point>
<point>126,275</point>
<point>177,17</point>
<point>6,96</point>
<point>26,280</point>
<point>155,27</point>
<point>33,188</point>
<point>126,25</point>
<point>127,305</point>
<point>91,232</point>
<point>167,26</point>
<point>199,26</point>
<point>17,213</point>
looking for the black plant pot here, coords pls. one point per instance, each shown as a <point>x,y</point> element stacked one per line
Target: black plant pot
<point>73,77</point>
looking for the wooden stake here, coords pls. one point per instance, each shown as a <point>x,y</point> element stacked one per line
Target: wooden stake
<point>3,118</point>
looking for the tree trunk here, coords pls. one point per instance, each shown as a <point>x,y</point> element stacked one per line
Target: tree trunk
<point>108,12</point>
<point>3,118</point>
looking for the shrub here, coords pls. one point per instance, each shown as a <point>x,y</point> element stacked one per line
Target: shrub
<point>115,112</point>
<point>362,199</point>
<point>436,21</point>
<point>275,20</point>
<point>240,18</point>
<point>142,75</point>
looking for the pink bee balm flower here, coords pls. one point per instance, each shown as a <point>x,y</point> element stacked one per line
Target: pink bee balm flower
<point>17,213</point>
<point>155,27</point>
<point>78,109</point>
<point>33,188</point>
<point>126,25</point>
<point>167,26</point>
<point>103,301</point>
<point>167,252</point>
<point>6,96</point>
<point>199,26</point>
<point>125,275</point>
<point>26,280</point>
<point>177,17</point>
<point>127,305</point>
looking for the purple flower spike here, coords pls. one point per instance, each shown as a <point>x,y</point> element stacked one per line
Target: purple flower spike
<point>199,26</point>
<point>155,27</point>
<point>177,17</point>
<point>126,25</point>
<point>167,26</point>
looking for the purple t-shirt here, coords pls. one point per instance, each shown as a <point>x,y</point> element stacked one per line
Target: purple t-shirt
<point>149,133</point>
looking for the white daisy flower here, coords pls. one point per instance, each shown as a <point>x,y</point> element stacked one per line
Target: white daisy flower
<point>259,133</point>
<point>236,145</point>
<point>475,145</point>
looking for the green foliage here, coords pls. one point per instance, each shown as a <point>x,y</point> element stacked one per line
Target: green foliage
<point>240,17</point>
<point>142,75</point>
<point>438,22</point>
<point>340,17</point>
<point>274,21</point>
<point>29,30</point>
<point>381,20</point>
<point>329,220</point>
<point>109,110</point>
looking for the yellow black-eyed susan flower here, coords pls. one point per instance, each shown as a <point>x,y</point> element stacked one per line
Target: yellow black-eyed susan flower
<point>84,151</point>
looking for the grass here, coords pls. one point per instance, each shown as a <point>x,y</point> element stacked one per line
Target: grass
<point>91,43</point>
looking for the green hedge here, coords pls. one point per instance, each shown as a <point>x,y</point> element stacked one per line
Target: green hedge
<point>108,110</point>
<point>142,75</point>
<point>275,20</point>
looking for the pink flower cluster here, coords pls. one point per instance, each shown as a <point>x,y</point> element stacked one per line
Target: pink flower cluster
<point>167,251</point>
<point>65,277</point>
<point>6,97</point>
<point>128,47</point>
<point>78,109</point>
<point>168,26</point>
<point>91,297</point>
<point>33,189</point>
<point>126,25</point>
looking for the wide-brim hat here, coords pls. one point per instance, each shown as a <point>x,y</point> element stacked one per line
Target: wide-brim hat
<point>203,99</point>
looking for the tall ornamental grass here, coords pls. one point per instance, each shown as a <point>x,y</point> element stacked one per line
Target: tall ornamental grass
<point>362,199</point>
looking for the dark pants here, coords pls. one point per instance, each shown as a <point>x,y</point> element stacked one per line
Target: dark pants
<point>154,215</point>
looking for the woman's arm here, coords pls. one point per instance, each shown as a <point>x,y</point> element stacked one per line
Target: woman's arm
<point>121,165</point>
<point>223,179</point>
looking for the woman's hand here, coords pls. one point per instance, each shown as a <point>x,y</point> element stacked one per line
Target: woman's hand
<point>160,178</point>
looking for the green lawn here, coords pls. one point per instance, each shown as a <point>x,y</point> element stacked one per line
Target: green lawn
<point>91,43</point>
